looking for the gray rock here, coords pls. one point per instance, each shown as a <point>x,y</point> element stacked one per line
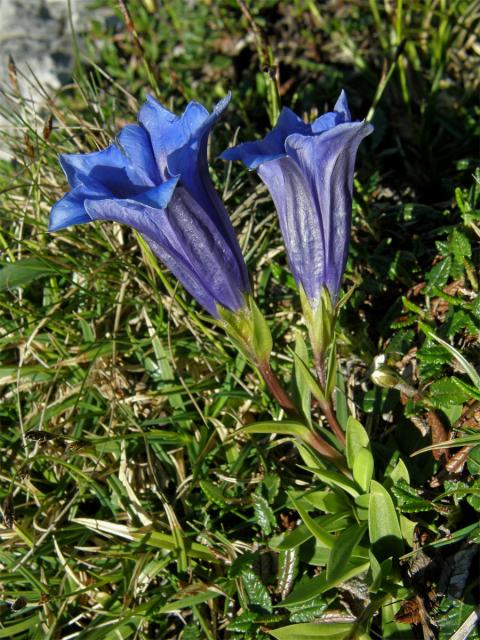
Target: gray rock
<point>36,35</point>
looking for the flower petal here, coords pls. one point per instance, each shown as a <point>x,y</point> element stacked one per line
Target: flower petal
<point>169,133</point>
<point>70,209</point>
<point>158,197</point>
<point>185,274</point>
<point>253,154</point>
<point>135,142</point>
<point>184,230</point>
<point>341,106</point>
<point>298,216</point>
<point>327,162</point>
<point>109,167</point>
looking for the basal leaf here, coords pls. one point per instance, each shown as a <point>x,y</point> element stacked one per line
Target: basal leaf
<point>313,631</point>
<point>357,438</point>
<point>342,550</point>
<point>383,525</point>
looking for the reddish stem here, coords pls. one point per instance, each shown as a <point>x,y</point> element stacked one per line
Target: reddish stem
<point>276,389</point>
<point>285,401</point>
<point>327,406</point>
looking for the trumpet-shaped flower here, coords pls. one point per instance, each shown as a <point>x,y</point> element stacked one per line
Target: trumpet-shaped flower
<point>155,179</point>
<point>308,169</point>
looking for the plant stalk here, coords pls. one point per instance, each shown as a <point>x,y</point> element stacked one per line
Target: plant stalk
<point>284,400</point>
<point>327,406</point>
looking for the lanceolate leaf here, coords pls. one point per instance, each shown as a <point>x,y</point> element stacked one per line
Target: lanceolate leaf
<point>313,631</point>
<point>357,438</point>
<point>342,550</point>
<point>282,427</point>
<point>363,468</point>
<point>383,525</point>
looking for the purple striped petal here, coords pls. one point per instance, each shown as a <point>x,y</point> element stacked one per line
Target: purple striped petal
<point>298,218</point>
<point>253,154</point>
<point>327,162</point>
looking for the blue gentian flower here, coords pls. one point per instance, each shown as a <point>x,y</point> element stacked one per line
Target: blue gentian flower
<point>308,169</point>
<point>155,179</point>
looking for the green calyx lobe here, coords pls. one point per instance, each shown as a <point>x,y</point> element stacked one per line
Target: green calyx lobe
<point>320,320</point>
<point>248,330</point>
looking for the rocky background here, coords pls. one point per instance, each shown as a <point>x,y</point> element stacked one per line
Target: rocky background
<point>36,36</point>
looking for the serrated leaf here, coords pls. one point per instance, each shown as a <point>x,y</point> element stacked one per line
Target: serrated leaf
<point>243,623</point>
<point>313,631</point>
<point>342,550</point>
<point>264,515</point>
<point>308,610</point>
<point>439,274</point>
<point>447,392</point>
<point>257,593</point>
<point>383,525</point>
<point>408,500</point>
<point>451,615</point>
<point>287,570</point>
<point>357,439</point>
<point>213,493</point>
<point>459,246</point>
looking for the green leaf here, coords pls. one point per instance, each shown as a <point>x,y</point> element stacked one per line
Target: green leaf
<point>312,631</point>
<point>341,401</point>
<point>438,276</point>
<point>330,523</point>
<point>399,472</point>
<point>23,272</point>
<point>213,493</point>
<point>383,525</point>
<point>357,439</point>
<point>282,427</point>
<point>308,379</point>
<point>451,615</point>
<point>308,611</point>
<point>334,479</point>
<point>447,392</point>
<point>331,369</point>
<point>342,550</point>
<point>463,362</point>
<point>303,389</point>
<point>363,469</point>
<point>312,525</point>
<point>264,515</point>
<point>314,587</point>
<point>257,592</point>
<point>459,246</point>
<point>408,499</point>
<point>190,600</point>
<point>287,570</point>
<point>261,336</point>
